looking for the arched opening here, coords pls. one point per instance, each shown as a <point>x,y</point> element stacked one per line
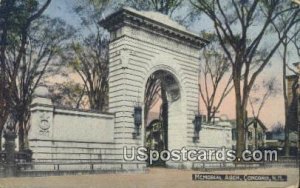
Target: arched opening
<point>162,89</point>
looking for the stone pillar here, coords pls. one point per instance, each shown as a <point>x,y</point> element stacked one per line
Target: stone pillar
<point>42,110</point>
<point>10,136</point>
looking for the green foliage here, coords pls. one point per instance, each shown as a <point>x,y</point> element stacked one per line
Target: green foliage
<point>89,59</point>
<point>277,128</point>
<point>163,6</point>
<point>209,36</point>
<point>15,14</point>
<point>68,94</point>
<point>31,50</point>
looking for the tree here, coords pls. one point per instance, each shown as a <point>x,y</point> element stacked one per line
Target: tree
<point>87,56</point>
<point>258,98</point>
<point>68,94</point>
<point>90,12</point>
<point>45,38</point>
<point>90,61</point>
<point>242,28</point>
<point>290,40</point>
<point>16,18</point>
<point>296,42</point>
<point>45,42</point>
<point>166,7</point>
<point>277,128</point>
<point>213,72</point>
<point>260,95</point>
<point>6,9</point>
<point>178,10</point>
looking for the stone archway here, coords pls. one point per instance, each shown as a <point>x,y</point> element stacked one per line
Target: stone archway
<point>162,91</point>
<point>143,44</point>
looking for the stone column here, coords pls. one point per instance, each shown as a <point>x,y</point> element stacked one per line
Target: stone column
<point>10,136</point>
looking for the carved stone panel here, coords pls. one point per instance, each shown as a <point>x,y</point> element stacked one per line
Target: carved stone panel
<point>44,124</point>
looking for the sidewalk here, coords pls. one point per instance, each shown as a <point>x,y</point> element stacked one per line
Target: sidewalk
<point>155,177</point>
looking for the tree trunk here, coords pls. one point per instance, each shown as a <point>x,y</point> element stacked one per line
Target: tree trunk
<point>255,134</point>
<point>240,123</point>
<point>286,138</point>
<point>4,98</point>
<point>164,116</point>
<point>240,111</point>
<point>209,114</point>
<point>21,135</point>
<point>1,139</point>
<point>26,127</point>
<point>286,105</point>
<point>26,142</point>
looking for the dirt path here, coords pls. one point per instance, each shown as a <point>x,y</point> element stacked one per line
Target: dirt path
<point>155,177</point>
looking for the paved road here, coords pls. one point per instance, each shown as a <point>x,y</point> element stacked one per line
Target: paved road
<point>155,177</point>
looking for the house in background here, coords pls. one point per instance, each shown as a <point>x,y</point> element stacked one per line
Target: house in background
<point>275,141</point>
<point>255,134</point>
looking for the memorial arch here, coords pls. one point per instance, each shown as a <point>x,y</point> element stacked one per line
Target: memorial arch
<point>143,44</point>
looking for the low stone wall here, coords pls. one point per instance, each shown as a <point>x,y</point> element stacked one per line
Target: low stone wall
<point>74,151</point>
<point>53,123</point>
<point>60,135</point>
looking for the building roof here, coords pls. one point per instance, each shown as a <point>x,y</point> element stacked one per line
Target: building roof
<point>250,121</point>
<point>152,22</point>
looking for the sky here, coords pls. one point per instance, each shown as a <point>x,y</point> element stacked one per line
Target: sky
<point>63,9</point>
<point>272,112</point>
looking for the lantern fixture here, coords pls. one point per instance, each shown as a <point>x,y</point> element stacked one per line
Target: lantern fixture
<point>137,115</point>
<point>197,127</point>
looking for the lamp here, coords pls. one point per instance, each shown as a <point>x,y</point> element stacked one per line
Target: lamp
<point>197,127</point>
<point>137,114</point>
